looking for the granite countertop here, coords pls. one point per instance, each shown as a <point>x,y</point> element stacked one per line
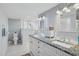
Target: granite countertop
<point>71,51</point>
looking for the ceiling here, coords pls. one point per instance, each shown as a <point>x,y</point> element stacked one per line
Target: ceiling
<point>20,10</point>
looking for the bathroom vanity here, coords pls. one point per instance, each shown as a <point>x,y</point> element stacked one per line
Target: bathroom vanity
<point>41,46</point>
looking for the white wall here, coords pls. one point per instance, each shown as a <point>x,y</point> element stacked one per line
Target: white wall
<point>3,40</point>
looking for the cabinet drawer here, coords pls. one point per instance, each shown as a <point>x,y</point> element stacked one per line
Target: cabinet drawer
<point>46,52</point>
<point>39,48</point>
<point>52,51</point>
<point>62,53</point>
<point>34,46</point>
<point>47,49</point>
<point>34,50</point>
<point>43,52</point>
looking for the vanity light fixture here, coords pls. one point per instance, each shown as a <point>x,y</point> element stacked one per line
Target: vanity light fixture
<point>59,12</point>
<point>68,10</point>
<point>65,9</point>
<point>39,18</point>
<point>43,17</point>
<point>76,6</point>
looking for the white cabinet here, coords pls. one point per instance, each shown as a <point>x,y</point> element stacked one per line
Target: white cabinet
<point>34,46</point>
<point>39,48</point>
<point>45,50</point>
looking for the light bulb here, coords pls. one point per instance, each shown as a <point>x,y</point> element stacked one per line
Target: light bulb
<point>40,18</point>
<point>65,8</point>
<point>76,6</point>
<point>43,17</point>
<point>59,12</point>
<point>68,10</point>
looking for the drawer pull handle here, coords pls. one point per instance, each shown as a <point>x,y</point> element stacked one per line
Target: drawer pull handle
<point>38,47</point>
<point>31,41</point>
<point>38,42</point>
<point>38,52</point>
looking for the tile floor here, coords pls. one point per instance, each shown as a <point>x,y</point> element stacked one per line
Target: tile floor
<point>16,50</point>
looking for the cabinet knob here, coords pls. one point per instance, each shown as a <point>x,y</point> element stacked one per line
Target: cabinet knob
<point>38,47</point>
<point>38,42</point>
<point>38,52</point>
<point>31,41</point>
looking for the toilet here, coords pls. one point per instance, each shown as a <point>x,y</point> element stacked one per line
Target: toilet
<point>15,38</point>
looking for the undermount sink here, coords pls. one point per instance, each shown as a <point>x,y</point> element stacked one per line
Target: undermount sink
<point>66,45</point>
<point>36,35</point>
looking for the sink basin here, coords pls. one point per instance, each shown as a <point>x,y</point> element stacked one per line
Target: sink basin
<point>35,35</point>
<point>66,45</point>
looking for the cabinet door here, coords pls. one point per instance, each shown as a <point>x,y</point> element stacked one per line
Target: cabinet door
<point>46,50</point>
<point>62,53</point>
<point>39,48</point>
<point>42,49</point>
<point>52,51</point>
<point>34,46</point>
<point>31,45</point>
<point>56,52</point>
